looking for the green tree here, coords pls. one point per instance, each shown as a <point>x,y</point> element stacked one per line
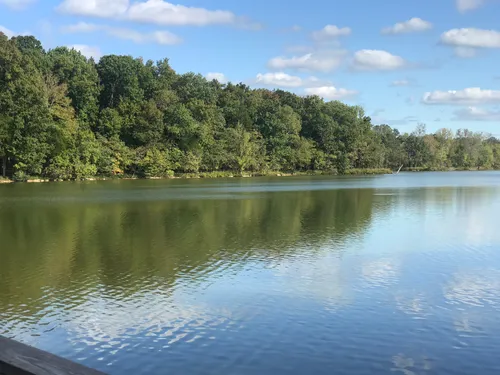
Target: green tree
<point>63,116</point>
<point>417,150</point>
<point>81,77</point>
<point>25,114</point>
<point>194,86</point>
<point>393,151</point>
<point>245,148</point>
<point>119,77</point>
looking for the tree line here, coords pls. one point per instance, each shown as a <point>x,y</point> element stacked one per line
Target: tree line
<point>64,116</point>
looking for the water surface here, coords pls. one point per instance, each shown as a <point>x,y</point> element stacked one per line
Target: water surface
<point>323,275</point>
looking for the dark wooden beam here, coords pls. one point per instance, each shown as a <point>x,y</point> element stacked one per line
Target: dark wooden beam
<point>20,359</point>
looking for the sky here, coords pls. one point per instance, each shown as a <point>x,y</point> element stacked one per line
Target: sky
<point>405,61</point>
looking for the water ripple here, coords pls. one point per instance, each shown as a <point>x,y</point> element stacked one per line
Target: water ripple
<point>316,275</point>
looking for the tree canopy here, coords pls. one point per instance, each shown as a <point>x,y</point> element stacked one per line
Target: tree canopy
<point>63,116</point>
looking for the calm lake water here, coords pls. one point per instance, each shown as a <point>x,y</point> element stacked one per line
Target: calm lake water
<point>310,275</point>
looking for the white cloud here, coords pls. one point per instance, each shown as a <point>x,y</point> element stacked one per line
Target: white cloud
<point>468,96</point>
<point>377,60</point>
<point>413,25</point>
<point>7,32</point>
<point>281,79</point>
<point>217,76</point>
<point>471,38</point>
<point>17,4</point>
<point>479,288</point>
<point>165,315</point>
<point>467,5</point>
<point>476,114</point>
<point>381,273</point>
<point>158,37</point>
<point>95,8</point>
<point>330,92</point>
<point>88,51</point>
<point>324,61</point>
<point>163,13</point>
<point>151,11</point>
<point>330,32</point>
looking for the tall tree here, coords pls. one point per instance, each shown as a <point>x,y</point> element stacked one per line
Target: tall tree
<point>81,77</point>
<point>119,76</point>
<point>25,114</point>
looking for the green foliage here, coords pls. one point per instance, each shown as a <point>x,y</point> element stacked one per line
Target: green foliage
<point>115,158</point>
<point>191,86</point>
<point>81,77</point>
<point>64,117</point>
<point>119,76</point>
<point>157,163</point>
<point>25,112</point>
<point>245,149</point>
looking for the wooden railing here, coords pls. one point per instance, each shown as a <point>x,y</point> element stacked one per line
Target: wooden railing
<point>20,359</point>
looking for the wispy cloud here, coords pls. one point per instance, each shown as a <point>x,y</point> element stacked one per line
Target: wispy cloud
<point>217,76</point>
<point>467,41</point>
<point>464,6</point>
<point>88,51</point>
<point>468,96</point>
<point>317,61</point>
<point>330,32</point>
<point>17,4</point>
<point>331,92</point>
<point>156,12</point>
<point>281,79</point>
<point>413,25</point>
<point>9,33</point>
<point>476,114</point>
<point>377,60</point>
<point>158,37</point>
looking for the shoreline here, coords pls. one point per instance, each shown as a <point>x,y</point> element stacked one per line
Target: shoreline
<point>216,175</point>
<point>212,175</point>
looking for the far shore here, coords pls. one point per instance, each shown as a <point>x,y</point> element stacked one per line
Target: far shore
<point>215,175</point>
<point>212,175</point>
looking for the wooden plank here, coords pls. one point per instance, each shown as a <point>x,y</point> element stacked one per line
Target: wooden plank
<point>20,359</point>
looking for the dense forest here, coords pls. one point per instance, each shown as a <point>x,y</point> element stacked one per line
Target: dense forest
<point>64,117</point>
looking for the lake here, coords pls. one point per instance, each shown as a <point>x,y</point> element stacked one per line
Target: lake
<point>309,275</point>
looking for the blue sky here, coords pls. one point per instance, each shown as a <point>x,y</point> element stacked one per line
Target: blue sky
<point>404,61</point>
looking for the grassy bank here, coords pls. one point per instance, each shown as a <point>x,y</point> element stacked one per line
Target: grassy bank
<point>368,171</point>
<point>233,174</point>
<point>230,174</point>
<point>215,174</point>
